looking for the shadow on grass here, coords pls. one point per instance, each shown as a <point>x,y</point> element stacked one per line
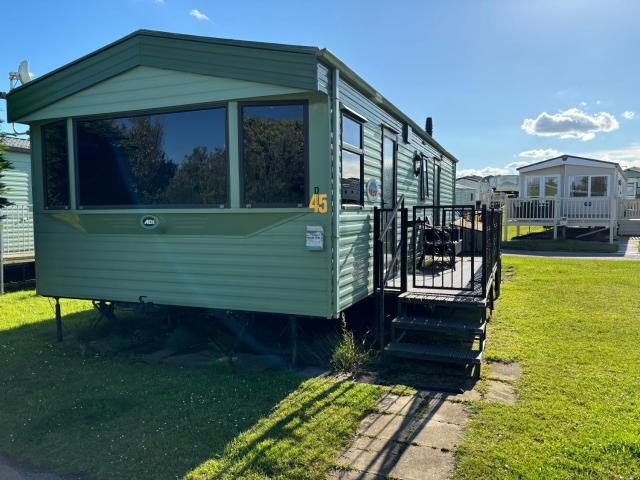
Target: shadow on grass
<point>111,417</point>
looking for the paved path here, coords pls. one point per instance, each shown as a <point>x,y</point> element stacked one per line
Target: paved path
<point>413,437</point>
<point>628,251</point>
<point>409,437</point>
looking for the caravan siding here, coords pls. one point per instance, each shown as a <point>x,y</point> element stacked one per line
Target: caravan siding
<point>233,258</point>
<point>18,178</point>
<point>355,261</point>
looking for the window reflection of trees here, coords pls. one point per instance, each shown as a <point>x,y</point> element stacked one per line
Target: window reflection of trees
<point>124,162</point>
<point>274,160</point>
<point>56,165</point>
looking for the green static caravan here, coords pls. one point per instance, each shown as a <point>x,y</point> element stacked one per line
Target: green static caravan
<point>180,170</point>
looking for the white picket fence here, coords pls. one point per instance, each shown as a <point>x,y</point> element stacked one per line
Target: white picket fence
<point>630,208</point>
<point>17,230</point>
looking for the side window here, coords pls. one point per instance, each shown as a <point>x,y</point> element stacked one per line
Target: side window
<point>55,155</point>
<point>352,162</point>
<point>424,178</point>
<point>273,141</point>
<point>533,186</point>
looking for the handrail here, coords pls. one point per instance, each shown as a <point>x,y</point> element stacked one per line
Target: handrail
<point>394,214</point>
<point>394,259</point>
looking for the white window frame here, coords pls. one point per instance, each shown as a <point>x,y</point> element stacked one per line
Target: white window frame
<point>541,184</point>
<point>526,184</point>
<point>571,177</point>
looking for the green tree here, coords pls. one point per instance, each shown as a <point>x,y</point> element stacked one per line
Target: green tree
<point>4,165</point>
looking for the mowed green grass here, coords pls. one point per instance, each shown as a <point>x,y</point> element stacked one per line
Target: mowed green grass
<point>575,327</point>
<point>114,418</point>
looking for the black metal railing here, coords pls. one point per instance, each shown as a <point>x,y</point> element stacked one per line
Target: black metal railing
<point>455,248</point>
<point>446,248</point>
<point>491,235</point>
<point>390,255</point>
<point>452,250</point>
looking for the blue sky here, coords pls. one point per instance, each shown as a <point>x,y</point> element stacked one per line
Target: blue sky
<point>506,81</point>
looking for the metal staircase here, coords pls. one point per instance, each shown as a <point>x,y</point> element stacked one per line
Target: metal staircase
<point>440,319</point>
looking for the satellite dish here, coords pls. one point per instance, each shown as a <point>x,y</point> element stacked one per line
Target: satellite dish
<point>23,75</point>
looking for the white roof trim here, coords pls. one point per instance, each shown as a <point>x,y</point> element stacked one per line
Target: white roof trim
<point>568,160</point>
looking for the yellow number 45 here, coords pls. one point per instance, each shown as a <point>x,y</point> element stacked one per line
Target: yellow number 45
<point>319,202</point>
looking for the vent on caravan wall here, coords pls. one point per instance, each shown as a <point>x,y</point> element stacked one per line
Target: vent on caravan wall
<point>429,126</point>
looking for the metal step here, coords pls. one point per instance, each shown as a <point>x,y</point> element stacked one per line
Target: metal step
<point>434,353</point>
<point>449,326</point>
<point>444,300</point>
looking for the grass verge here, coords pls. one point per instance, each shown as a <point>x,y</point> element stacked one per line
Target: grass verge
<point>573,324</point>
<point>560,245</point>
<point>110,417</point>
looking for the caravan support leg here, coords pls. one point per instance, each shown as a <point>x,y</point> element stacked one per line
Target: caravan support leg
<point>58,320</point>
<point>294,340</point>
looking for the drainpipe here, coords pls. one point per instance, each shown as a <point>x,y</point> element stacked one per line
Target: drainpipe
<point>335,127</point>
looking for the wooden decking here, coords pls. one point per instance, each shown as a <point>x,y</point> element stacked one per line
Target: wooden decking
<point>18,258</point>
<point>439,280</point>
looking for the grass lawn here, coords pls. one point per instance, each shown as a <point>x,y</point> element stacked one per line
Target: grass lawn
<point>575,327</point>
<point>560,245</point>
<point>110,417</point>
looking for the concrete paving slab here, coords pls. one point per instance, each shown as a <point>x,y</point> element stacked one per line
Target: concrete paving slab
<point>387,427</point>
<point>448,412</point>
<point>505,372</point>
<point>435,434</point>
<point>423,463</point>
<point>400,405</point>
<point>500,392</point>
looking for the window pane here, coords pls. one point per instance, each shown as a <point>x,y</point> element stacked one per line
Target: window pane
<point>56,165</point>
<point>533,186</point>
<point>424,178</point>
<point>599,186</point>
<point>351,178</point>
<point>550,186</point>
<point>351,132</point>
<point>388,165</point>
<point>177,158</point>
<point>579,186</point>
<point>273,151</point>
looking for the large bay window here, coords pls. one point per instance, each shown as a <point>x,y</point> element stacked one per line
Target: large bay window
<point>589,185</point>
<point>159,159</point>
<point>273,141</point>
<point>55,155</point>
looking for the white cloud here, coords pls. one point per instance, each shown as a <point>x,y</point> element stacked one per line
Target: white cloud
<point>483,172</point>
<point>629,115</point>
<point>516,165</point>
<point>626,156</point>
<point>540,153</point>
<point>198,15</point>
<point>571,123</point>
<point>582,104</point>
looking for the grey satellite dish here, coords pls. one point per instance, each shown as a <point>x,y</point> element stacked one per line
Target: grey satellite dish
<point>23,75</point>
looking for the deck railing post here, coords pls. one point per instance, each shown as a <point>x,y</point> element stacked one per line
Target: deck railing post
<point>484,250</point>
<point>403,248</point>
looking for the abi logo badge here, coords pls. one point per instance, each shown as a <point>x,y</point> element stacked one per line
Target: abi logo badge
<point>149,222</point>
